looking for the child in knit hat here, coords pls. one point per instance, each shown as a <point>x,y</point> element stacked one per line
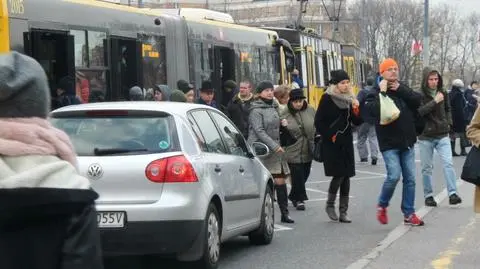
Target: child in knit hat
<point>47,210</point>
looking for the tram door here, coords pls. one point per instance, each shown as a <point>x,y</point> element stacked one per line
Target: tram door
<point>126,66</point>
<point>54,50</point>
<point>223,69</point>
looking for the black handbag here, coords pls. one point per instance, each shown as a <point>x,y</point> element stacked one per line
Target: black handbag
<point>317,149</point>
<point>286,138</point>
<point>471,167</point>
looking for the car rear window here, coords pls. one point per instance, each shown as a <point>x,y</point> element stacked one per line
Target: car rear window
<point>119,135</point>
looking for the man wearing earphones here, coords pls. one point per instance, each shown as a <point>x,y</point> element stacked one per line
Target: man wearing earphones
<point>396,140</point>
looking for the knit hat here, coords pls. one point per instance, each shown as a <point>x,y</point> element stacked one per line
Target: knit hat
<point>336,76</point>
<point>184,86</point>
<point>136,94</point>
<point>296,94</point>
<point>24,90</point>
<point>458,83</point>
<point>230,84</point>
<point>178,96</point>
<point>263,85</point>
<point>386,64</point>
<point>207,86</point>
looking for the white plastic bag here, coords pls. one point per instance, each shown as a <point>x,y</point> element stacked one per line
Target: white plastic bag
<point>389,112</point>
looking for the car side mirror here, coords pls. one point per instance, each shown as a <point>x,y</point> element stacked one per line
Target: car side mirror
<point>260,149</point>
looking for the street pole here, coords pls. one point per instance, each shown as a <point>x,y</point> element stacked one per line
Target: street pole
<point>363,30</point>
<point>426,39</point>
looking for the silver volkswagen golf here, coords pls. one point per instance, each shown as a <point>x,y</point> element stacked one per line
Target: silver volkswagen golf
<point>173,178</point>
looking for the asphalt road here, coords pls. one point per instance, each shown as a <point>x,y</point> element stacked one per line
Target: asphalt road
<point>314,241</point>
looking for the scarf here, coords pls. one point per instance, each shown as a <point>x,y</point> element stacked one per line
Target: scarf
<point>243,100</point>
<point>342,100</point>
<point>34,136</point>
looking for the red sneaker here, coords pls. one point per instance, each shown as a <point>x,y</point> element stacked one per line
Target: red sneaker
<point>382,216</point>
<point>413,220</point>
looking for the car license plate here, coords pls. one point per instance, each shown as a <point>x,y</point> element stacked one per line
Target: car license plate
<point>111,219</point>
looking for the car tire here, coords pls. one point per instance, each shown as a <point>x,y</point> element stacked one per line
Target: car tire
<point>213,231</point>
<point>264,234</point>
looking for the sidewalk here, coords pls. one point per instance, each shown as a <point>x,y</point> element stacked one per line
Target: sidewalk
<point>449,239</point>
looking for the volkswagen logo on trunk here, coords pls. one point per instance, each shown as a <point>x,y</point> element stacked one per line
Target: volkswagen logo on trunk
<point>95,171</point>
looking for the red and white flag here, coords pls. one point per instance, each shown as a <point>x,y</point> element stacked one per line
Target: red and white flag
<point>417,47</point>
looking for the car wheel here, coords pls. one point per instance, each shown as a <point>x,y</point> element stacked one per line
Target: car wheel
<point>211,250</point>
<point>264,234</point>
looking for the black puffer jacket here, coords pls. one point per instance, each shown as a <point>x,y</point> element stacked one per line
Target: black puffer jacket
<point>400,134</point>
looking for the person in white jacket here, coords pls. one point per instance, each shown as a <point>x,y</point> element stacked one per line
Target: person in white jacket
<point>47,210</point>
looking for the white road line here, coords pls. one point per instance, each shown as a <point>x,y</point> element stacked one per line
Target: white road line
<point>321,199</point>
<point>279,228</point>
<point>371,173</point>
<point>397,233</point>
<point>352,179</point>
<point>315,190</point>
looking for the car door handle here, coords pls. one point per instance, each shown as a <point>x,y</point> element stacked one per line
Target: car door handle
<point>241,169</point>
<point>218,169</point>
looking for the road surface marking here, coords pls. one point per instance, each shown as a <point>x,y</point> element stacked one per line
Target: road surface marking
<point>446,258</point>
<point>315,190</point>
<point>279,228</point>
<point>352,179</point>
<point>397,233</point>
<point>371,173</point>
<point>321,199</point>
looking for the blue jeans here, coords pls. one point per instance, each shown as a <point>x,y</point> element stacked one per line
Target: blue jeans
<point>444,150</point>
<point>399,162</point>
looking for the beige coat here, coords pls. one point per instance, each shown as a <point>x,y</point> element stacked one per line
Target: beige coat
<point>473,130</point>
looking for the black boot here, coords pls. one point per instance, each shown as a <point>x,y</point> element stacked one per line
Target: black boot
<point>330,207</point>
<point>463,151</point>
<point>343,207</point>
<point>282,200</point>
<point>452,143</point>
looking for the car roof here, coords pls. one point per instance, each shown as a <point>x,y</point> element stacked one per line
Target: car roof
<point>163,106</point>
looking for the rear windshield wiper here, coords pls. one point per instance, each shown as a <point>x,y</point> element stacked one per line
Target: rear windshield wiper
<point>110,151</point>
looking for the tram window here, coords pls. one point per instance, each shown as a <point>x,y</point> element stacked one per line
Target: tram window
<point>81,57</point>
<point>246,62</point>
<point>94,56</point>
<point>96,49</point>
<point>154,61</point>
<point>208,58</point>
<point>197,60</point>
<point>317,68</point>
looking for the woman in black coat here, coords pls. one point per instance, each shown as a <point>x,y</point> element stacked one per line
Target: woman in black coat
<point>458,104</point>
<point>337,111</point>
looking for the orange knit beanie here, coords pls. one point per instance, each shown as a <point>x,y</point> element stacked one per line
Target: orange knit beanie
<point>386,64</point>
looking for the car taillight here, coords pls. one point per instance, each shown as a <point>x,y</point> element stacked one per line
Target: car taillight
<point>170,170</point>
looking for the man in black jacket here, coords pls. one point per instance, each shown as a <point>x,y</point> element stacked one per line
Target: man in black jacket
<point>366,131</point>
<point>396,140</point>
<point>239,107</point>
<point>435,110</point>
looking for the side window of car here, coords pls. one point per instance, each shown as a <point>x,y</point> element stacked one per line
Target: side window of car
<point>233,138</point>
<point>211,138</point>
<point>197,133</point>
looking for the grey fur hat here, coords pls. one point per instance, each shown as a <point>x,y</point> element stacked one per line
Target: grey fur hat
<point>24,90</point>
